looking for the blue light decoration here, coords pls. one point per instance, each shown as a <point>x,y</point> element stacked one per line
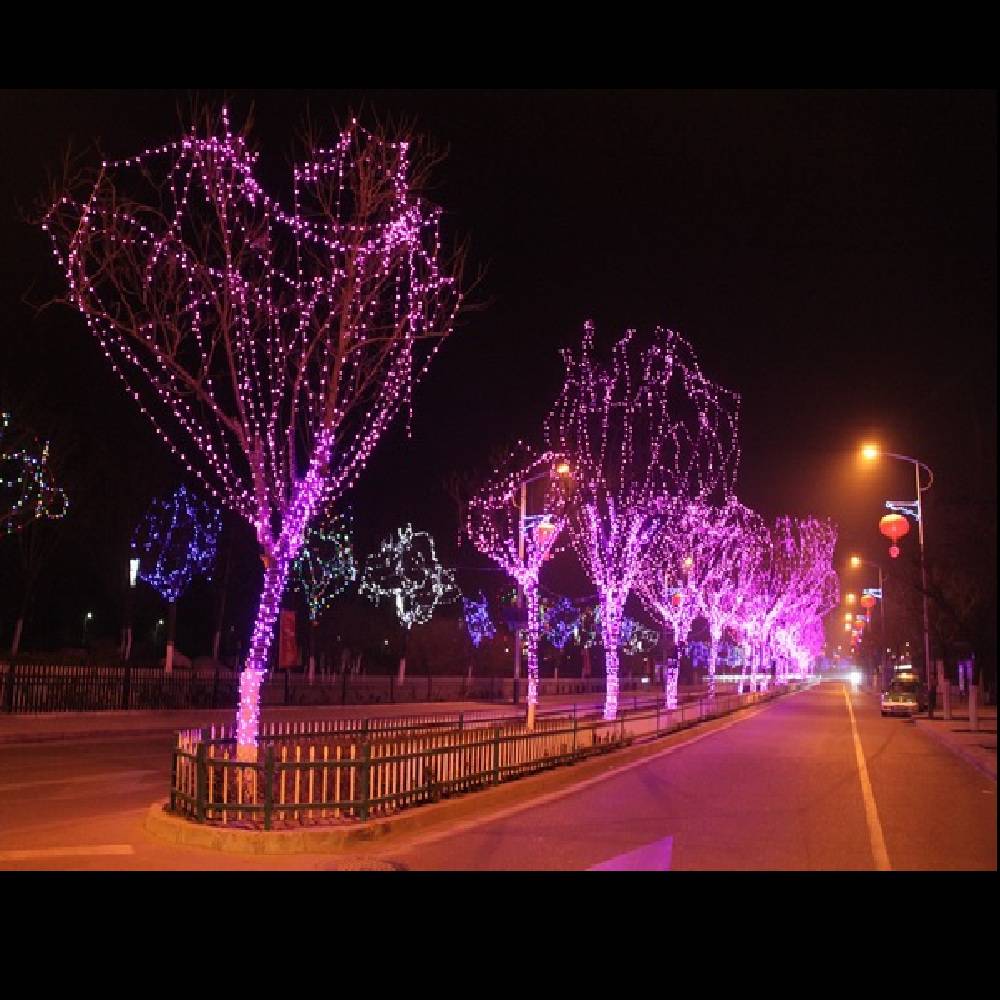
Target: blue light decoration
<point>559,622</point>
<point>175,542</point>
<point>325,566</point>
<point>478,623</point>
<point>634,638</point>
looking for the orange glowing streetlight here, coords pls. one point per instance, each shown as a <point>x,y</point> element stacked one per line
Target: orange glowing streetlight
<point>870,453</point>
<point>848,616</point>
<point>850,598</point>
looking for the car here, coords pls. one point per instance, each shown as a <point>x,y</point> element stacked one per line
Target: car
<point>904,697</point>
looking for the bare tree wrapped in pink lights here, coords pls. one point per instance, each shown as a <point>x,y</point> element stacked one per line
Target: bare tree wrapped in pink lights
<point>271,346</point>
<point>496,525</point>
<point>795,582</point>
<point>704,565</point>
<point>643,434</point>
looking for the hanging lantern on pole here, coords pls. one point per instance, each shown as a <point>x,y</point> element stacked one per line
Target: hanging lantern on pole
<point>895,527</point>
<point>868,601</point>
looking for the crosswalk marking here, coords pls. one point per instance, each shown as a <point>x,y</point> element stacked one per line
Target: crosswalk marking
<point>654,857</point>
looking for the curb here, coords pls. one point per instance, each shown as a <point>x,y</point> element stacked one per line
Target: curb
<point>958,750</point>
<point>161,824</point>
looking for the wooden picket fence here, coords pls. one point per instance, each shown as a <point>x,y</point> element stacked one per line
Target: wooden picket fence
<point>339,771</point>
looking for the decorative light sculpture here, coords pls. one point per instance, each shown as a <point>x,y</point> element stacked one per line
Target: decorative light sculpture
<point>477,619</point>
<point>406,570</point>
<point>324,568</point>
<point>271,347</point>
<point>174,542</point>
<point>642,434</point>
<point>495,526</point>
<point>28,490</point>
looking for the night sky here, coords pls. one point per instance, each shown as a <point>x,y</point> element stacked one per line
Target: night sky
<point>830,255</point>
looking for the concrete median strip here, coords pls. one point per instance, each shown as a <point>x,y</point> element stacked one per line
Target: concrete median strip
<point>473,808</point>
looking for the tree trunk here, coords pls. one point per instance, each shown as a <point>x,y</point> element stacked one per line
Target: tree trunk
<point>712,645</point>
<point>168,663</point>
<point>531,598</point>
<point>313,625</point>
<point>275,578</point>
<point>402,659</point>
<point>18,627</point>
<point>611,624</point>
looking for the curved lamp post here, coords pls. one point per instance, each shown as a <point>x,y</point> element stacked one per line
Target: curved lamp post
<point>914,509</point>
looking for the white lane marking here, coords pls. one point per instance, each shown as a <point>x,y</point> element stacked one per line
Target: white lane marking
<point>654,857</point>
<point>879,852</point>
<point>406,845</point>
<point>94,850</point>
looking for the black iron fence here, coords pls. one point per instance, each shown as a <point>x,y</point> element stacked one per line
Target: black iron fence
<point>354,770</point>
<point>27,688</point>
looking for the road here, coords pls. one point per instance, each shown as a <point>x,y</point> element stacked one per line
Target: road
<point>783,787</point>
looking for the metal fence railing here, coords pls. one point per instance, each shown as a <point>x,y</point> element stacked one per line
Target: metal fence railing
<point>334,772</point>
<point>30,688</point>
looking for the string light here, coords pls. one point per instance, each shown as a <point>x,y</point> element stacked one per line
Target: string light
<point>269,347</point>
<point>495,527</point>
<point>477,619</point>
<point>560,622</point>
<point>642,435</point>
<point>28,490</point>
<point>176,541</point>
<point>406,570</point>
<point>325,566</point>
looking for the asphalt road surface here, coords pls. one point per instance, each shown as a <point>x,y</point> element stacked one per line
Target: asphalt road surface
<point>814,781</point>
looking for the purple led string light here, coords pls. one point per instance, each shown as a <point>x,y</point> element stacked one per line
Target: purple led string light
<point>643,434</point>
<point>494,526</point>
<point>269,347</point>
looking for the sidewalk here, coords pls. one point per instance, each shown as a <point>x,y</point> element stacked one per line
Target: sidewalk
<point>978,748</point>
<point>64,726</point>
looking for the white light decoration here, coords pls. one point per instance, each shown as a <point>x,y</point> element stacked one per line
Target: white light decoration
<point>406,570</point>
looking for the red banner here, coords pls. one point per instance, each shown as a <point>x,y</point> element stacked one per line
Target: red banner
<point>288,649</point>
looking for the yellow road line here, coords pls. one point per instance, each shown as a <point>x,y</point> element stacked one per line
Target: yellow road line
<point>871,811</point>
<point>67,852</point>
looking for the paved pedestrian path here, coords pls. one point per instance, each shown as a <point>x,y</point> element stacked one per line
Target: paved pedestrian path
<point>978,747</point>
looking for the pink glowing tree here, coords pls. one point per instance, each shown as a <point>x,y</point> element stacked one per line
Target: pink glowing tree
<point>704,566</point>
<point>794,582</point>
<point>270,345</point>
<point>498,526</point>
<point>643,434</point>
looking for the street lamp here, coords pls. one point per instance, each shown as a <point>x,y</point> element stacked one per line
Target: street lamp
<point>856,562</point>
<point>850,598</point>
<point>870,453</point>
<point>563,470</point>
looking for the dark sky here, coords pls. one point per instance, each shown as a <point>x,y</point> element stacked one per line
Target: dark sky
<point>830,255</point>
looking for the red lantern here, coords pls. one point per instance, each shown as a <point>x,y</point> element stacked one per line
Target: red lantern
<point>868,601</point>
<point>895,527</point>
<point>675,600</point>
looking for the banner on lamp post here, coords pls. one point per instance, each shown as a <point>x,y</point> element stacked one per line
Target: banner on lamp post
<point>288,650</point>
